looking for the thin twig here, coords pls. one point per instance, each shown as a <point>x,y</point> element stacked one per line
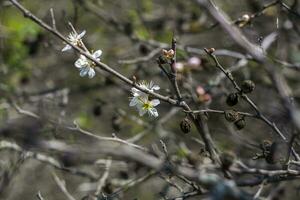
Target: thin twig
<point>62,185</point>
<point>146,58</point>
<point>113,139</point>
<point>45,159</point>
<point>53,19</point>
<point>39,196</point>
<point>220,112</point>
<point>102,180</point>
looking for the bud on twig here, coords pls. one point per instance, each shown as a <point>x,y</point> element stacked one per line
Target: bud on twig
<point>210,50</point>
<point>185,125</point>
<point>240,124</point>
<point>169,54</point>
<point>231,115</point>
<point>248,86</point>
<point>227,159</point>
<point>232,99</point>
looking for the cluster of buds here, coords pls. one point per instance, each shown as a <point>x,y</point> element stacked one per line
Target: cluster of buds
<point>233,116</point>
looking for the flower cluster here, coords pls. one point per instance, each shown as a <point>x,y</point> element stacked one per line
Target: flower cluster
<point>85,66</point>
<point>141,100</point>
<point>75,39</point>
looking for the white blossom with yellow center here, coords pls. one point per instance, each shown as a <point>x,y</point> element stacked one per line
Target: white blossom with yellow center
<point>87,66</point>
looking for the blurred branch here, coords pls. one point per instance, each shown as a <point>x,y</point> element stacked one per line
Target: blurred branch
<point>233,31</point>
<point>62,185</point>
<point>220,112</point>
<point>39,196</point>
<point>102,180</point>
<point>45,159</point>
<point>146,58</point>
<point>25,112</point>
<point>259,191</point>
<point>113,139</point>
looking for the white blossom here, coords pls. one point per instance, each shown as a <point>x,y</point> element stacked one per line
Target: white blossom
<point>86,66</point>
<point>74,38</point>
<point>144,105</point>
<point>141,100</point>
<point>145,85</point>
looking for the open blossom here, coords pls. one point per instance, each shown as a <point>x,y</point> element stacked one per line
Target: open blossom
<point>141,99</point>
<point>75,39</point>
<point>144,105</point>
<point>86,66</point>
<point>145,85</point>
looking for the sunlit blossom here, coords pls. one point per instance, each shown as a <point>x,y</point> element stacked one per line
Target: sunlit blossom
<point>145,85</point>
<point>144,105</point>
<point>75,39</point>
<point>87,66</point>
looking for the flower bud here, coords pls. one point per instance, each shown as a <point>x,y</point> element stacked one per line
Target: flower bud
<point>185,125</point>
<point>232,99</point>
<point>210,50</point>
<point>168,53</point>
<point>227,159</point>
<point>240,124</point>
<point>231,115</point>
<point>248,86</point>
<point>246,17</point>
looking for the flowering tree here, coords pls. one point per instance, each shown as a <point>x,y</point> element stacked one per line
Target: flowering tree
<point>185,119</point>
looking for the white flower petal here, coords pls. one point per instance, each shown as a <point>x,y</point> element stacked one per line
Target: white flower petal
<point>134,90</point>
<point>91,73</point>
<point>81,34</point>
<point>155,102</point>
<point>142,111</point>
<point>83,72</point>
<point>66,48</point>
<point>78,63</point>
<point>153,112</point>
<point>150,85</point>
<point>97,54</point>
<point>133,102</point>
<point>81,62</point>
<point>82,57</point>
<point>155,87</point>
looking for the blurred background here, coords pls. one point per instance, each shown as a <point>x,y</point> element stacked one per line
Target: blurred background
<point>36,76</point>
